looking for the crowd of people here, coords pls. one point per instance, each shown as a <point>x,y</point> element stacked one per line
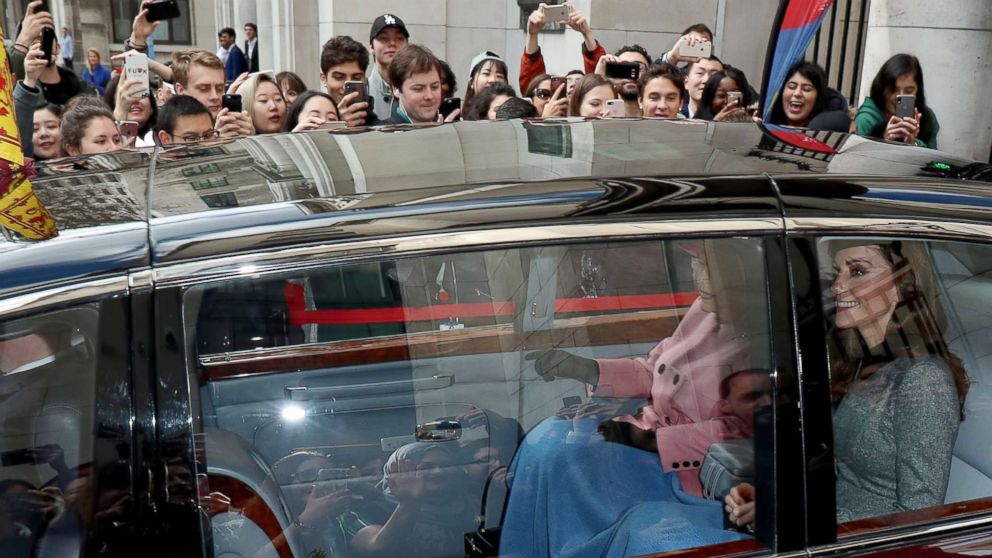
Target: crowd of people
<point>391,80</point>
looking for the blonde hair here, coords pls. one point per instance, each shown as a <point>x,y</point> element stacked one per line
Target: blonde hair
<point>99,58</point>
<point>182,61</point>
<point>248,89</point>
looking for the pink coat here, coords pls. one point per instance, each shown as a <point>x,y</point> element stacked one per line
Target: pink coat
<point>681,379</point>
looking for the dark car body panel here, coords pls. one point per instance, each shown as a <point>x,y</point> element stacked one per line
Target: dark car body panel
<point>155,210</point>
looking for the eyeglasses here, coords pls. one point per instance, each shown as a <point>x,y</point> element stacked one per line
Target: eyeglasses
<point>192,138</point>
<point>543,94</point>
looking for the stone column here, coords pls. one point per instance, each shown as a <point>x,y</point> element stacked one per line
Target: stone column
<point>953,41</point>
<point>289,39</point>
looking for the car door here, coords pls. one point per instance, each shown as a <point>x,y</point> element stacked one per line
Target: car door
<point>900,414</point>
<point>70,479</point>
<point>317,395</point>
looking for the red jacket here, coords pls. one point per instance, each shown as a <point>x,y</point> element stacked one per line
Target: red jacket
<point>532,65</point>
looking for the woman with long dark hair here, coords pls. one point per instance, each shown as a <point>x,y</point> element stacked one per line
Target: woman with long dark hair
<point>309,111</point>
<point>484,105</point>
<point>900,75</point>
<point>713,105</point>
<point>802,97</point>
<point>897,387</point>
<point>487,68</point>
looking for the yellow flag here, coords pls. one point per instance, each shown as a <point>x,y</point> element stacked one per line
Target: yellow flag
<point>20,210</point>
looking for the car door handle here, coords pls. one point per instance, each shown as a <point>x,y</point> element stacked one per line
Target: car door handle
<point>317,393</point>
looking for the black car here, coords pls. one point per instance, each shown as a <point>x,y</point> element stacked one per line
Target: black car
<point>548,338</point>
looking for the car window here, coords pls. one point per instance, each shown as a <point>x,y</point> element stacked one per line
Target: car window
<point>49,364</point>
<point>578,396</point>
<point>908,337</point>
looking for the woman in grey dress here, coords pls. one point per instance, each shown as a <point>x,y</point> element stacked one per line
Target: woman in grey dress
<point>898,391</point>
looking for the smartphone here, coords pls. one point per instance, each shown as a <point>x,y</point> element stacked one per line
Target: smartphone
<point>615,108</point>
<point>48,43</point>
<point>449,105</point>
<point>10,458</point>
<point>699,50</point>
<point>162,10</point>
<point>557,82</point>
<point>906,106</point>
<point>557,12</point>
<point>735,98</point>
<point>232,103</point>
<point>571,401</point>
<point>128,128</point>
<point>352,86</point>
<point>623,70</point>
<point>271,73</point>
<point>136,67</point>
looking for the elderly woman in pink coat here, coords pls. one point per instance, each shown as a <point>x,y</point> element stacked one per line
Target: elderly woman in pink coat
<point>680,378</point>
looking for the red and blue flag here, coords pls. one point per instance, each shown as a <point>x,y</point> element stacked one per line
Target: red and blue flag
<point>796,25</point>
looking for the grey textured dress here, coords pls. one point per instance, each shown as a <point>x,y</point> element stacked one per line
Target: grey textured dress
<point>894,433</point>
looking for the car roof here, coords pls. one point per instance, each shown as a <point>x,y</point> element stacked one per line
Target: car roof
<point>133,209</point>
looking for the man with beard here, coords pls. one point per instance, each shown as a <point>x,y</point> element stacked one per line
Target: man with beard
<point>627,88</point>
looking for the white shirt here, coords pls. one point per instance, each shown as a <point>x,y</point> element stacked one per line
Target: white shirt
<point>251,47</point>
<point>222,54</point>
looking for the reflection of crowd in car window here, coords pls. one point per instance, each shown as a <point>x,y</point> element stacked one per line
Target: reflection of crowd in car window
<point>898,390</point>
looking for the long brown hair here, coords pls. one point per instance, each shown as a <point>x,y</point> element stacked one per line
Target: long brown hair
<point>915,330</point>
<point>585,85</point>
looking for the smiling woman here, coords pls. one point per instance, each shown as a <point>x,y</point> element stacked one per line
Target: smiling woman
<point>802,97</point>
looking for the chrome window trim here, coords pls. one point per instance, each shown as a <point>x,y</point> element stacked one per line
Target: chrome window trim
<point>95,288</point>
<point>867,543</point>
<point>274,261</point>
<point>892,226</point>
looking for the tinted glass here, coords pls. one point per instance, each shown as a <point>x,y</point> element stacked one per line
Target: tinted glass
<point>907,338</point>
<point>597,393</point>
<point>50,501</point>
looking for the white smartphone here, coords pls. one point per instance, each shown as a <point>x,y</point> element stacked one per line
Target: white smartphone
<point>271,73</point>
<point>557,12</point>
<point>136,67</point>
<point>699,50</point>
<point>616,108</point>
<point>735,98</point>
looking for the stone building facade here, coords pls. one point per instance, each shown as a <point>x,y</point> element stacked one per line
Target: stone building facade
<point>952,39</point>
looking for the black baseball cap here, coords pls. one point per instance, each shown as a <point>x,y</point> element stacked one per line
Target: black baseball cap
<point>387,20</point>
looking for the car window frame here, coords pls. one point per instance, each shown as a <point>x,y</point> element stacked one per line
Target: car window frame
<point>173,279</point>
<point>114,427</point>
<point>804,233</point>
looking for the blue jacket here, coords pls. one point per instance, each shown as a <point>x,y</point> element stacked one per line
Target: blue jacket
<point>236,64</point>
<point>98,78</point>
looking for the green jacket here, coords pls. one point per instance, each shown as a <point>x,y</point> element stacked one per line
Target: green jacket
<point>870,121</point>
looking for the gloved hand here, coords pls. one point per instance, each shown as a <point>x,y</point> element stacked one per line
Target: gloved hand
<point>552,364</point>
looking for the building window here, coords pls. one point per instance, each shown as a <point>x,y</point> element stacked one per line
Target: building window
<point>172,31</point>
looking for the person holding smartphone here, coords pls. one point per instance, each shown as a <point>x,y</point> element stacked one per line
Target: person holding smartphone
<point>132,103</point>
<point>36,18</point>
<point>200,74</point>
<point>879,116</point>
<point>415,74</point>
<point>726,97</point>
<point>343,60</point>
<point>626,87</point>
<point>532,61</point>
<point>693,36</point>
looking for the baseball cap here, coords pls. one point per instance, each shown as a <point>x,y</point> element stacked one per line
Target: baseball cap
<point>387,20</point>
<point>482,57</point>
